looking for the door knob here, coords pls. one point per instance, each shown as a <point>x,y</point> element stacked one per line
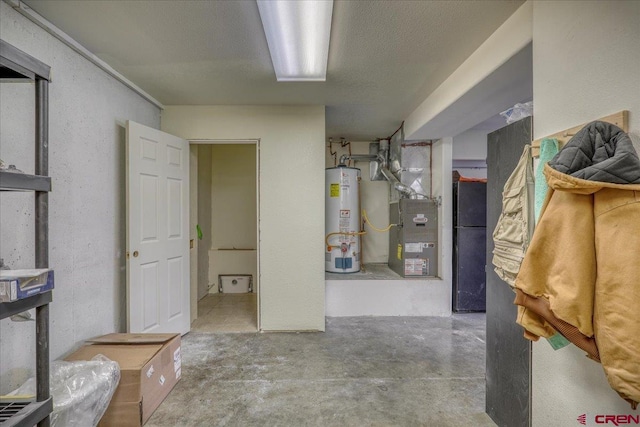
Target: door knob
<point>135,254</point>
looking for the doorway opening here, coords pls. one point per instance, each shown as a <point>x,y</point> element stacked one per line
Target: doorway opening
<point>224,202</point>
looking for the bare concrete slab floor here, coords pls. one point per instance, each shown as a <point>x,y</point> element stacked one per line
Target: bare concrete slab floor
<point>363,371</point>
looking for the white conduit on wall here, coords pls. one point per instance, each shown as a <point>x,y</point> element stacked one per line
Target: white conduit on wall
<point>56,32</point>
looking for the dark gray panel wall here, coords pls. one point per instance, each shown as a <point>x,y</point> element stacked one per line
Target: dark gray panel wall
<point>508,352</point>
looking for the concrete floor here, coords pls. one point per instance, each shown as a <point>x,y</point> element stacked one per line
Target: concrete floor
<point>227,313</point>
<point>363,371</point>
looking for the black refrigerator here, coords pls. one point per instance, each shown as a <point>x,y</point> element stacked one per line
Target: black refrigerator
<point>469,246</point>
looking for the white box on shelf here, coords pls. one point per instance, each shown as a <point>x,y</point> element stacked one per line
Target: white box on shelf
<point>18,284</point>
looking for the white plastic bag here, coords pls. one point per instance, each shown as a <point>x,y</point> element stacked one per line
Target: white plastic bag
<point>518,112</point>
<point>81,390</point>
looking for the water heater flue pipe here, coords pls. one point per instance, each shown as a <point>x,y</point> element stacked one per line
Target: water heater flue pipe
<point>360,158</point>
<point>389,176</point>
<point>402,188</point>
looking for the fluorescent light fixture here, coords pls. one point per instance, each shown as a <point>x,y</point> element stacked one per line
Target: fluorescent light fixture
<point>298,34</point>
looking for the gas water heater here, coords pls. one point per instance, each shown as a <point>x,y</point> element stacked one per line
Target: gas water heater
<point>342,220</point>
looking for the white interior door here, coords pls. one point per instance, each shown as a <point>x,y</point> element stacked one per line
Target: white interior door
<point>157,231</point>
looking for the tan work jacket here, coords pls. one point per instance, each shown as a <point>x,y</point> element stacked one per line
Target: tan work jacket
<point>581,274</point>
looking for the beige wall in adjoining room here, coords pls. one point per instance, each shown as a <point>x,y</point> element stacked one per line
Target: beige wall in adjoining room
<point>233,212</point>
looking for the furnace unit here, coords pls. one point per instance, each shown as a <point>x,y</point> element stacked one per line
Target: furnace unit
<point>413,243</point>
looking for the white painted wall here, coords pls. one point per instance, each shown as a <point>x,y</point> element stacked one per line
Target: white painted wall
<point>375,200</point>
<point>88,111</point>
<point>410,297</point>
<point>233,212</point>
<point>443,187</point>
<point>291,206</point>
<point>471,145</point>
<point>205,221</point>
<point>406,297</point>
<point>586,65</point>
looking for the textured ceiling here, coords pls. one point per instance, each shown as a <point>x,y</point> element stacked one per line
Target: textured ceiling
<point>385,57</point>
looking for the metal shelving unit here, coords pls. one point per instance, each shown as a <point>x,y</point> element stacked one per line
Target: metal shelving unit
<point>17,66</point>
<point>25,413</point>
<point>24,182</point>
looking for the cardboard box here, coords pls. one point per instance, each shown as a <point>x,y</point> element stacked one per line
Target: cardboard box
<point>150,366</point>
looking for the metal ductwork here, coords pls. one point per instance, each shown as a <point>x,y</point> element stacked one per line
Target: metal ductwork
<point>405,166</point>
<point>380,159</point>
<point>398,186</point>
